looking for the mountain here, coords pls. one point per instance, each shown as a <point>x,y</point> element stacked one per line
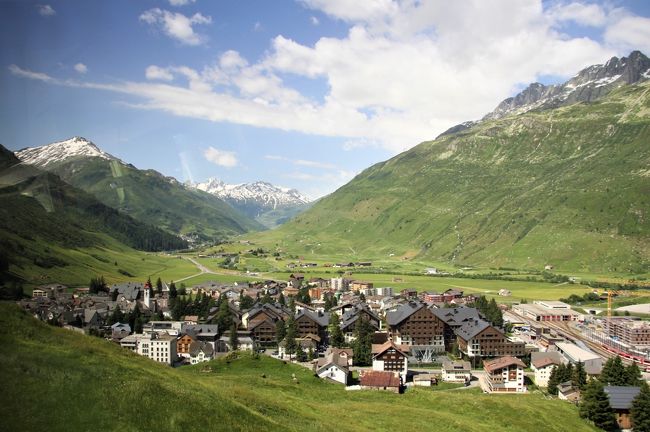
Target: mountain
<point>146,195</point>
<point>566,186</point>
<point>46,223</point>
<point>588,85</point>
<point>268,204</point>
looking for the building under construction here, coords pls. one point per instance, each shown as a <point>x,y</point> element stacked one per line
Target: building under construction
<point>628,330</point>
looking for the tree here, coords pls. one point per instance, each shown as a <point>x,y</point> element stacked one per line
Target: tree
<point>97,284</point>
<point>579,376</point>
<point>182,290</point>
<point>173,293</point>
<point>595,406</point>
<point>281,300</point>
<point>311,355</point>
<point>336,334</point>
<point>280,331</point>
<point>266,298</point>
<point>159,286</point>
<point>290,338</point>
<point>640,411</point>
<point>362,297</point>
<point>224,317</point>
<point>246,302</point>
<point>614,373</point>
<point>301,356</point>
<point>234,339</point>
<point>553,380</point>
<point>633,375</point>
<point>363,342</point>
<point>116,316</point>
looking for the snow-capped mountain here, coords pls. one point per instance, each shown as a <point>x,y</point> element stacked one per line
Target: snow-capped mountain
<point>263,193</point>
<point>587,85</point>
<point>60,151</point>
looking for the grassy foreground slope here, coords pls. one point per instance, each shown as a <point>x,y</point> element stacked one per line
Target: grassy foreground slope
<point>567,187</point>
<point>54,380</point>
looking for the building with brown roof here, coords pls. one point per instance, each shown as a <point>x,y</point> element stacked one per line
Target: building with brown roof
<point>378,380</point>
<point>504,375</point>
<point>390,357</point>
<point>543,363</point>
<point>414,323</point>
<point>478,338</point>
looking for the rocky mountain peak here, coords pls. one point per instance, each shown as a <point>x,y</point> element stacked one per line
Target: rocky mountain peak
<point>61,150</point>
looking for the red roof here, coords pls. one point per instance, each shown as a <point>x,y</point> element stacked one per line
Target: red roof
<point>502,362</point>
<point>380,349</point>
<point>379,379</point>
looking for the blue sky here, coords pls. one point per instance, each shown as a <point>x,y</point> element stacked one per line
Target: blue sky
<point>303,94</point>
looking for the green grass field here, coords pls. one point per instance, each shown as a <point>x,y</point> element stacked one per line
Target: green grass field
<point>57,380</point>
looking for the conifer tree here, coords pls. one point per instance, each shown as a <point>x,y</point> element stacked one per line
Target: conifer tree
<point>281,300</point>
<point>172,290</point>
<point>159,286</point>
<point>300,353</point>
<point>280,331</point>
<point>579,376</point>
<point>290,338</point>
<point>595,406</point>
<point>234,338</point>
<point>335,333</point>
<point>633,375</point>
<point>363,343</point>
<point>640,412</point>
<point>614,373</point>
<point>553,381</point>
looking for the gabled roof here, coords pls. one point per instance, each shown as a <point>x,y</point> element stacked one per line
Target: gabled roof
<point>403,312</point>
<point>196,347</point>
<point>378,350</point>
<point>322,319</point>
<point>472,328</point>
<point>350,316</point>
<point>456,316</point>
<point>621,397</point>
<point>544,361</point>
<point>379,379</point>
<point>501,362</point>
<point>459,365</point>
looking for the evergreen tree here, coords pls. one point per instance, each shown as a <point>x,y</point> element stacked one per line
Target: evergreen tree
<point>335,333</point>
<point>301,356</point>
<point>280,331</point>
<point>159,286</point>
<point>363,343</point>
<point>246,302</point>
<point>553,381</point>
<point>97,284</point>
<point>595,406</point>
<point>266,298</point>
<point>633,375</point>
<point>234,339</point>
<point>182,290</point>
<point>290,338</point>
<point>614,373</point>
<point>306,299</point>
<point>281,300</point>
<point>311,355</point>
<point>579,376</point>
<point>173,293</point>
<point>640,411</point>
<point>116,317</point>
<point>224,317</point>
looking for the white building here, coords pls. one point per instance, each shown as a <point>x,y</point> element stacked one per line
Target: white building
<point>173,328</point>
<point>200,352</point>
<point>384,291</point>
<point>543,363</point>
<point>157,346</point>
<point>456,371</point>
<point>504,375</point>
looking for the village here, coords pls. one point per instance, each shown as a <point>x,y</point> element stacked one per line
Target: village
<point>364,337</point>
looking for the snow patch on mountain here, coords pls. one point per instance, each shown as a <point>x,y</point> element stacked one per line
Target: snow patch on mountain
<point>61,151</point>
<point>263,193</point>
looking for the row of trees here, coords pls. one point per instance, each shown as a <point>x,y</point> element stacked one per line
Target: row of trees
<point>564,373</point>
<point>490,310</point>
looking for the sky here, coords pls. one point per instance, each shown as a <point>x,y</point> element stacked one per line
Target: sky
<point>303,94</point>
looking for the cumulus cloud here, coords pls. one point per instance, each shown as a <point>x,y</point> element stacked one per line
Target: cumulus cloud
<point>45,10</point>
<point>180,2</point>
<point>220,157</point>
<point>81,68</point>
<point>176,25</point>
<point>154,72</point>
<point>403,73</point>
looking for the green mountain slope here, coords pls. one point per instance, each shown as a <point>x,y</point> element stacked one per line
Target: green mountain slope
<point>568,187</point>
<point>41,216</point>
<point>145,195</point>
<point>57,380</point>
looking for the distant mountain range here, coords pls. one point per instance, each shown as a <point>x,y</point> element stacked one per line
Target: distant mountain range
<point>556,175</point>
<point>268,204</point>
<point>146,195</point>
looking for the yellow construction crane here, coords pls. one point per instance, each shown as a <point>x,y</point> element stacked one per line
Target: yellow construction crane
<point>610,294</point>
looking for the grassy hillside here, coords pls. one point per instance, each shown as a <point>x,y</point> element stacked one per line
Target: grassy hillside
<point>58,380</point>
<point>149,196</point>
<point>567,187</point>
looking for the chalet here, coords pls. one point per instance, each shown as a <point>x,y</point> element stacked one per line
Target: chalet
<point>350,318</point>
<point>390,357</point>
<point>504,375</point>
<point>361,285</point>
<point>344,353</point>
<point>297,276</point>
<point>333,367</point>
<point>620,399</point>
<point>414,323</point>
<point>456,371</point>
<point>378,380</point>
<point>543,363</point>
<point>204,333</point>
<point>183,344</point>
<point>478,338</point>
<point>308,322</point>
<point>308,343</point>
<point>200,352</point>
<point>261,321</point>
<point>342,308</point>
<point>568,392</point>
<point>454,318</point>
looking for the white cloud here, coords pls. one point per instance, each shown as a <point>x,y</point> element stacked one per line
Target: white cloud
<point>154,72</point>
<point>314,20</point>
<point>220,157</point>
<point>81,68</point>
<point>46,10</point>
<point>31,75</point>
<point>258,26</point>
<point>180,2</point>
<point>176,25</point>
<point>404,73</point>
